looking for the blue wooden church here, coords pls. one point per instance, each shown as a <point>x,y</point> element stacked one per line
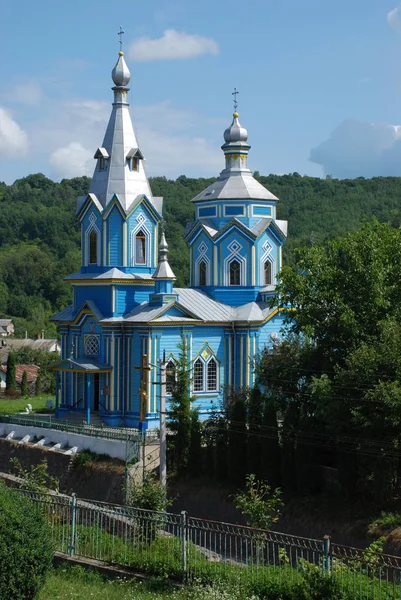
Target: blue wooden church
<point>125,304</point>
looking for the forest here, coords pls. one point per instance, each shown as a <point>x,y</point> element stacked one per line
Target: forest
<point>39,238</point>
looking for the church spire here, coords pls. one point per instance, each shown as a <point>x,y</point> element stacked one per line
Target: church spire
<point>163,277</point>
<point>163,269</point>
<point>236,145</point>
<point>119,169</point>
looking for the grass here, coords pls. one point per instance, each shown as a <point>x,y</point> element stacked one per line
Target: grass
<point>17,405</point>
<point>74,583</point>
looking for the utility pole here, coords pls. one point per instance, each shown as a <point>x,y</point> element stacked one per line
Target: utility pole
<point>163,463</point>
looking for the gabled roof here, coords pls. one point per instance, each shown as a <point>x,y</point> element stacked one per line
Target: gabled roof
<point>112,273</point>
<point>89,365</point>
<point>235,186</point>
<point>279,226</point>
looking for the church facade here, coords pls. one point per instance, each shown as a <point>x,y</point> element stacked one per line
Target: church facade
<point>125,305</point>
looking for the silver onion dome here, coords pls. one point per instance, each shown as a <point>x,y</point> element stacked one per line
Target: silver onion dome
<point>121,74</point>
<point>235,133</point>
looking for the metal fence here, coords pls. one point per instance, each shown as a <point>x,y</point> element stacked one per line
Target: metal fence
<point>50,422</point>
<point>187,548</point>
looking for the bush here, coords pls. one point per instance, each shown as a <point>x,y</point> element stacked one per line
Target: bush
<point>26,549</point>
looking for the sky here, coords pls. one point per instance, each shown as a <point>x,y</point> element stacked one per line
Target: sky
<point>319,84</point>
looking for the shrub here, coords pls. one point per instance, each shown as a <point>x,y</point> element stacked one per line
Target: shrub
<point>26,550</point>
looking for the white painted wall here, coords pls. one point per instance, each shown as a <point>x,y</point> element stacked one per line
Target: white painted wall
<point>114,448</point>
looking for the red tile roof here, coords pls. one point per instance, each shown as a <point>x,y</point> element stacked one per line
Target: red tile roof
<point>31,371</point>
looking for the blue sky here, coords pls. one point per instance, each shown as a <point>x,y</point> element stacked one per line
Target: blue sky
<point>319,81</point>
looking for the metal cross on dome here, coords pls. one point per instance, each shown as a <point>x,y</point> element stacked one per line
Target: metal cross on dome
<point>235,94</point>
<point>120,34</point>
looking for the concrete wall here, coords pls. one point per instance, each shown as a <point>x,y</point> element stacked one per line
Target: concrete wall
<point>114,448</point>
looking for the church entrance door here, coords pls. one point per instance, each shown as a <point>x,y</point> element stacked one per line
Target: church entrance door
<point>96,392</point>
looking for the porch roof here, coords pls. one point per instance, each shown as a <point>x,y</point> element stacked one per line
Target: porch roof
<point>86,365</point>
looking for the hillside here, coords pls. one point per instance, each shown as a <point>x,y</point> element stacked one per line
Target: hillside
<point>39,239</point>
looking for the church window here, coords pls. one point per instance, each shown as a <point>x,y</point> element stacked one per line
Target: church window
<point>93,248</point>
<point>235,273</point>
<point>134,163</point>
<point>140,248</point>
<point>268,272</point>
<point>170,377</point>
<point>92,345</point>
<point>198,375</point>
<point>202,272</point>
<point>212,375</point>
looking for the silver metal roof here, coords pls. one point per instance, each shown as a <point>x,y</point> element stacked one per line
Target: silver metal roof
<point>118,178</point>
<point>113,273</point>
<point>196,306</point>
<point>235,133</point>
<point>235,185</point>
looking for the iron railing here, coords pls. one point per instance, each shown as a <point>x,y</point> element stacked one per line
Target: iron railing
<point>50,422</point>
<point>187,548</point>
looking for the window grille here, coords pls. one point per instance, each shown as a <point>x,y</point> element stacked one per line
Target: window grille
<point>198,375</point>
<point>212,375</point>
<point>92,345</point>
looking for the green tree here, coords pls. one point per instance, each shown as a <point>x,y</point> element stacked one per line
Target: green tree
<point>195,447</point>
<point>260,504</point>
<point>26,548</point>
<point>11,385</point>
<point>255,432</point>
<point>179,422</point>
<point>38,385</point>
<point>237,435</point>
<point>24,384</point>
<point>337,370</point>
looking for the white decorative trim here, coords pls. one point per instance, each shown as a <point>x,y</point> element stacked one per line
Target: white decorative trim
<point>266,256</point>
<point>140,219</point>
<point>234,247</point>
<point>92,227</point>
<point>202,249</point>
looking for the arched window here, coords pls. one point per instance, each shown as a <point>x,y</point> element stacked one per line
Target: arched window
<point>140,248</point>
<point>198,375</point>
<point>93,248</point>
<point>170,377</point>
<point>268,272</point>
<point>202,272</point>
<point>235,273</point>
<point>211,383</point>
<point>91,345</point>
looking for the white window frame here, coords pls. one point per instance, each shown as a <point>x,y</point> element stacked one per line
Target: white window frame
<point>205,364</point>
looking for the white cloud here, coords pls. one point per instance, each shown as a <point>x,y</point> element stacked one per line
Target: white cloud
<point>13,139</point>
<point>394,19</point>
<point>356,149</point>
<point>172,45</point>
<point>72,160</point>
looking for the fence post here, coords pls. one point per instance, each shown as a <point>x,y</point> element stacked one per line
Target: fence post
<point>184,534</point>
<point>326,552</point>
<point>71,547</point>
